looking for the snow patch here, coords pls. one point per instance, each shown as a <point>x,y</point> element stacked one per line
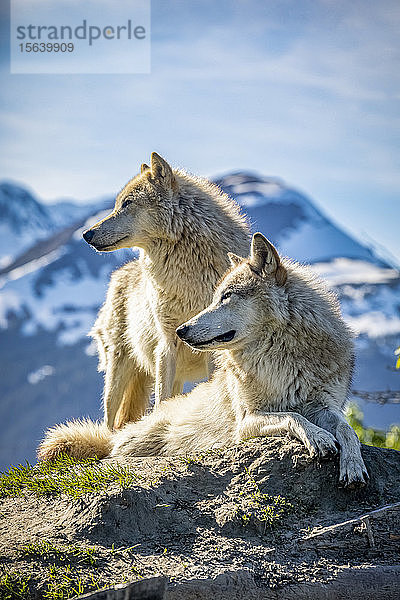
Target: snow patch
<point>374,324</point>
<point>343,270</point>
<point>269,189</point>
<point>9,303</point>
<point>40,374</point>
<point>91,349</point>
<point>31,266</point>
<point>69,305</point>
<point>5,261</point>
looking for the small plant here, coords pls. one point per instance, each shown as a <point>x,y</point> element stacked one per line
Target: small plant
<point>191,459</point>
<point>397,353</point>
<point>196,459</point>
<point>260,507</point>
<point>60,554</point>
<point>64,475</point>
<point>136,572</point>
<point>14,586</point>
<point>370,436</point>
<point>62,583</point>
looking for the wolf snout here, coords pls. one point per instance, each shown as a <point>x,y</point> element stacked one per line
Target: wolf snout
<point>182,331</point>
<point>88,235</point>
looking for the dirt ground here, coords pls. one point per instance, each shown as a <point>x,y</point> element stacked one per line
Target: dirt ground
<point>258,520</point>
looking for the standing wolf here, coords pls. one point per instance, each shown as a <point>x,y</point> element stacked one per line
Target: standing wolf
<point>284,362</point>
<point>184,227</point>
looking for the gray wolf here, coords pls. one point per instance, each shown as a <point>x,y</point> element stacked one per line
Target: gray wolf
<point>283,365</point>
<point>184,226</point>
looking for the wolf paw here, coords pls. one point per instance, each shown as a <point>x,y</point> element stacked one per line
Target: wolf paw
<point>321,443</point>
<point>353,472</point>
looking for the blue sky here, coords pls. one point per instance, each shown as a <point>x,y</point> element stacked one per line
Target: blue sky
<point>305,90</point>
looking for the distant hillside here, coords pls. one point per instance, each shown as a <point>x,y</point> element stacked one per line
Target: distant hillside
<point>24,220</point>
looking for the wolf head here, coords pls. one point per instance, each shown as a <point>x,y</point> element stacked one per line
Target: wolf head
<point>139,213</point>
<point>250,296</point>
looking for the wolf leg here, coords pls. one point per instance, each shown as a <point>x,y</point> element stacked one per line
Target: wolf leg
<point>135,398</point>
<point>318,441</point>
<point>353,472</point>
<point>177,388</point>
<point>165,372</point>
<point>120,370</point>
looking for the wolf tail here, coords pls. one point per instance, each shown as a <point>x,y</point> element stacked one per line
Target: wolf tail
<point>79,439</point>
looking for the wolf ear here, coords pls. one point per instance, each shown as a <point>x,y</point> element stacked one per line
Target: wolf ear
<point>144,168</point>
<point>264,259</point>
<point>234,259</point>
<point>161,171</point>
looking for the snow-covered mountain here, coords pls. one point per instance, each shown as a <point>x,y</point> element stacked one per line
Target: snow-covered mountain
<point>291,220</point>
<point>52,287</point>
<point>24,221</point>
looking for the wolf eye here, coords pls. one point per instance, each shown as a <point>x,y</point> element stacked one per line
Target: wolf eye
<point>226,296</point>
<point>126,203</point>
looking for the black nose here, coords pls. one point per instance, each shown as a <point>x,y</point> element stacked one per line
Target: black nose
<point>88,235</point>
<point>182,331</point>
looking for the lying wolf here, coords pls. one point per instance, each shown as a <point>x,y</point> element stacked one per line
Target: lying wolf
<point>184,227</point>
<point>284,362</point>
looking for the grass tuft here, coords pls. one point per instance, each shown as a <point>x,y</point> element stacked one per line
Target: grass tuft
<point>14,586</point>
<point>261,508</point>
<point>64,475</point>
<point>60,554</point>
<point>61,580</point>
<point>62,583</point>
<point>198,458</point>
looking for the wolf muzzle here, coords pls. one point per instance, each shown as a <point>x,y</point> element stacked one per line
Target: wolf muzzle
<point>183,332</point>
<point>88,235</point>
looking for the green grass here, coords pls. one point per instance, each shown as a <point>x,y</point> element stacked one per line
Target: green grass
<point>371,436</point>
<point>64,475</point>
<point>61,580</point>
<point>64,572</point>
<point>60,554</point>
<point>62,583</point>
<point>262,508</point>
<point>198,457</point>
<point>14,586</point>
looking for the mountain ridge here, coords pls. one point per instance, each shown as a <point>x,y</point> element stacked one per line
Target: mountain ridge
<point>25,220</point>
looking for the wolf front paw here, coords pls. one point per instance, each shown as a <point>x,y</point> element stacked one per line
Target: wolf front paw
<point>353,472</point>
<point>321,443</point>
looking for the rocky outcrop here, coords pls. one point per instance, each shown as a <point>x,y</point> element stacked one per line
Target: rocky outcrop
<point>258,520</point>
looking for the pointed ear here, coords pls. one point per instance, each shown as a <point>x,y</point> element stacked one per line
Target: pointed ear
<point>234,259</point>
<point>144,168</point>
<point>161,171</point>
<point>265,260</point>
